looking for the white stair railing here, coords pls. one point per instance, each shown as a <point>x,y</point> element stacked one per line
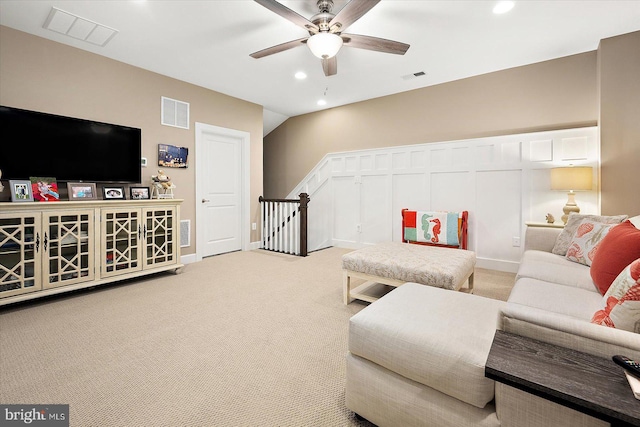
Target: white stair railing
<point>284,225</point>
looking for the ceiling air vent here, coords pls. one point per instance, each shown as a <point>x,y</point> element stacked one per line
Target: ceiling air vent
<point>79,28</point>
<point>175,113</point>
<point>414,75</point>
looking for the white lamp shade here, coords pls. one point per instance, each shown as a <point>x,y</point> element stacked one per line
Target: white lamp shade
<point>324,45</point>
<point>572,178</point>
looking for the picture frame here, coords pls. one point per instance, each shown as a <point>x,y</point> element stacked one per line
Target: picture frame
<point>170,156</point>
<point>139,193</point>
<point>21,191</point>
<point>44,189</point>
<point>113,193</point>
<point>82,191</point>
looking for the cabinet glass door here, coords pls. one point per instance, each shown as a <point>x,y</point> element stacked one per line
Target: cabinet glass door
<point>121,234</point>
<point>159,236</point>
<point>20,246</point>
<point>68,248</point>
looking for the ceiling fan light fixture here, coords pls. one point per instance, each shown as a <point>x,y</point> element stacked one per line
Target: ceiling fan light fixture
<point>324,45</point>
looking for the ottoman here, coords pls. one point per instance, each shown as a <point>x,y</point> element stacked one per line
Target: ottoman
<point>395,263</point>
<point>413,360</point>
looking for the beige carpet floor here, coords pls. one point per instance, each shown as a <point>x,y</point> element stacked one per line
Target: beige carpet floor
<point>242,339</point>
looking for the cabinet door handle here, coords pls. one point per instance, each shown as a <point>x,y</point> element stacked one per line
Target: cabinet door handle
<point>37,242</point>
<point>139,231</point>
<point>205,200</point>
<point>46,240</point>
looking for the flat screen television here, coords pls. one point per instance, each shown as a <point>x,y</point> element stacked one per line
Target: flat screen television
<point>67,149</point>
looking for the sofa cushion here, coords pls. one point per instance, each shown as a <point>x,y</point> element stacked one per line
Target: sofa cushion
<point>563,240</point>
<point>555,269</point>
<point>437,337</point>
<point>618,248</point>
<point>586,240</point>
<point>622,301</point>
<point>561,299</point>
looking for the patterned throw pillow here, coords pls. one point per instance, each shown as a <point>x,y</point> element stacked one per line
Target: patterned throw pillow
<point>622,301</point>
<point>563,240</point>
<point>618,248</point>
<point>586,240</point>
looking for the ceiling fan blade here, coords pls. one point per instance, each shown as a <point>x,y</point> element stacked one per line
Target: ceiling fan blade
<point>279,48</point>
<point>330,66</point>
<point>289,14</point>
<point>374,43</point>
<point>350,14</point>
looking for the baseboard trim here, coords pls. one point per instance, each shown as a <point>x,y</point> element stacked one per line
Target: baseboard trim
<point>498,264</point>
<point>255,245</point>
<point>188,259</point>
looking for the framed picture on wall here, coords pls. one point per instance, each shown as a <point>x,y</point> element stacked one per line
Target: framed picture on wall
<point>113,193</point>
<point>21,191</point>
<point>139,193</point>
<point>82,191</point>
<point>171,156</point>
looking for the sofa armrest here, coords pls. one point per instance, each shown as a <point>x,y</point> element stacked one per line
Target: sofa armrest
<point>567,331</point>
<point>541,238</point>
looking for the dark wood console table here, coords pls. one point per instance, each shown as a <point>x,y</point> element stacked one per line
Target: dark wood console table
<point>589,384</point>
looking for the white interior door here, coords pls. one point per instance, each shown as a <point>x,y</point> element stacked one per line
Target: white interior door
<point>220,190</point>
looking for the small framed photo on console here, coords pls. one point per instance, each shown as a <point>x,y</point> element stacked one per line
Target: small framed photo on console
<point>113,193</point>
<point>139,193</point>
<point>21,191</point>
<point>82,191</point>
<point>45,189</point>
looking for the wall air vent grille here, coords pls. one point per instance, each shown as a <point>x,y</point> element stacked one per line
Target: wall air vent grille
<point>175,113</point>
<point>185,233</point>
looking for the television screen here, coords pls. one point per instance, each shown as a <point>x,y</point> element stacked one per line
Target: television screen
<point>68,149</point>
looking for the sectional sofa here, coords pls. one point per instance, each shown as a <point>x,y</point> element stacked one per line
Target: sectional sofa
<point>416,356</point>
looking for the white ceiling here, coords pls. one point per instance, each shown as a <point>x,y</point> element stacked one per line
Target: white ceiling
<point>208,42</point>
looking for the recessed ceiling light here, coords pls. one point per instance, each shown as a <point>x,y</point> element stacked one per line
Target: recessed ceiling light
<point>503,7</point>
<point>301,75</point>
<point>322,102</point>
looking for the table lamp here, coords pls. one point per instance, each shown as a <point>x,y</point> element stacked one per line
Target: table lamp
<point>571,179</point>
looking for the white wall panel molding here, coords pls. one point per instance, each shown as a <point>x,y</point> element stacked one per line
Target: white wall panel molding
<point>503,181</point>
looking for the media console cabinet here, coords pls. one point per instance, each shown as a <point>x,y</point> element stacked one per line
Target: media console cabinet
<point>52,247</point>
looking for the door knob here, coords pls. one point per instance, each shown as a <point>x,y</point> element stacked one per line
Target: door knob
<point>205,200</point>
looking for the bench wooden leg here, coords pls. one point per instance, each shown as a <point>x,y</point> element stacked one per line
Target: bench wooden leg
<point>471,283</point>
<point>346,288</point>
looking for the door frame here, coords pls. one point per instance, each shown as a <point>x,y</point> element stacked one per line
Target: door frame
<point>245,167</point>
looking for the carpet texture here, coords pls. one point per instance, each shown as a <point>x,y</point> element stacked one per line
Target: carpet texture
<point>241,339</point>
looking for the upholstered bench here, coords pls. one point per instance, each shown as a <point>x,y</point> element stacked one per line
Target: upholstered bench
<point>418,354</point>
<point>395,263</point>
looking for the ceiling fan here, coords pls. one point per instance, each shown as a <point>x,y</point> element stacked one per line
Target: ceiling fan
<point>325,32</point>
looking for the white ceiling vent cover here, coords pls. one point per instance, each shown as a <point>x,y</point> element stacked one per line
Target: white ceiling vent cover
<point>175,113</point>
<point>79,28</point>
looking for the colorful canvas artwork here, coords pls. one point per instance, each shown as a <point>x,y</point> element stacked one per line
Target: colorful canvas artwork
<point>45,189</point>
<point>171,156</point>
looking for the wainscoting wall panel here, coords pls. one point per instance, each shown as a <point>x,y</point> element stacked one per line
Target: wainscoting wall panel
<point>504,181</point>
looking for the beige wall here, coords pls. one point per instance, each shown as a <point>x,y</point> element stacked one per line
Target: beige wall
<point>556,94</point>
<point>38,74</point>
<point>619,87</point>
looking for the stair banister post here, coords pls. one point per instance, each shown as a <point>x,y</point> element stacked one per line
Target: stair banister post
<point>304,200</point>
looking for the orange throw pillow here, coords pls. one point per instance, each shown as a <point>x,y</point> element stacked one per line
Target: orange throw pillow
<point>616,251</point>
